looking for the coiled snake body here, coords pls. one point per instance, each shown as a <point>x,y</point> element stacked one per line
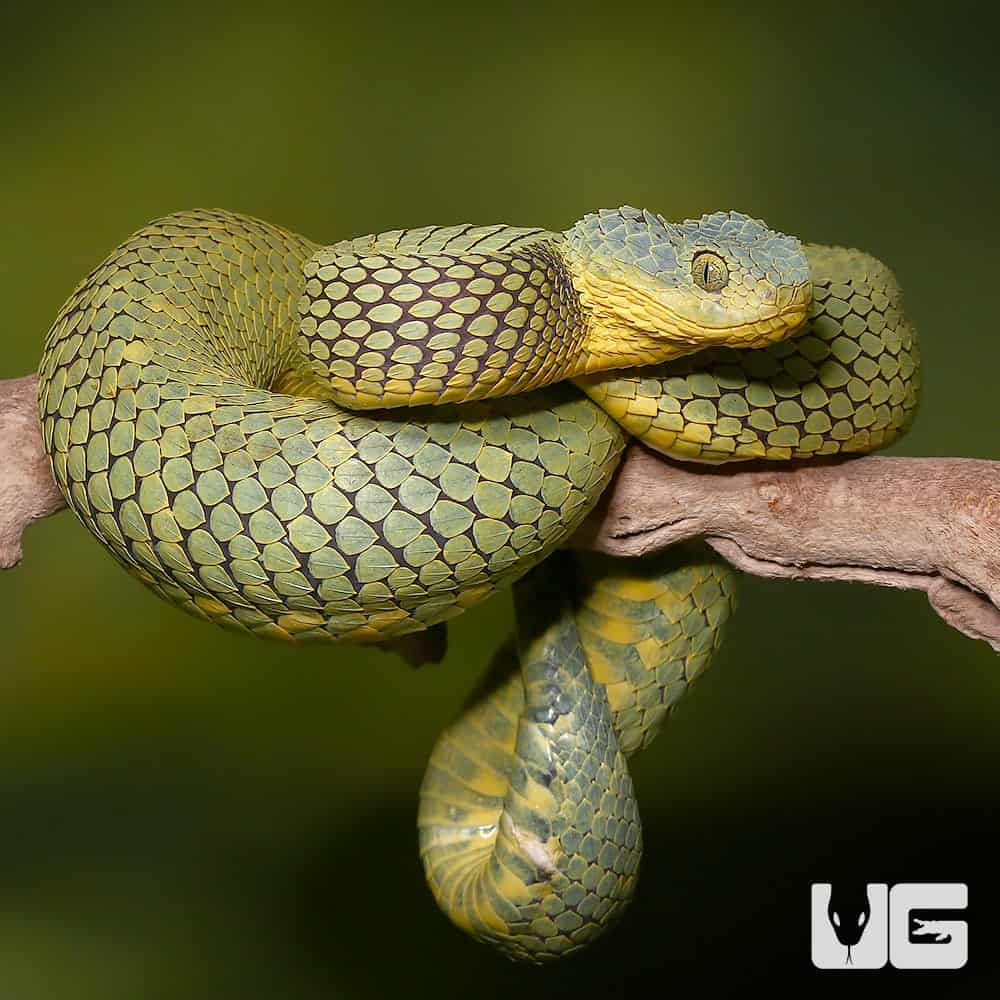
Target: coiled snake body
<point>359,441</point>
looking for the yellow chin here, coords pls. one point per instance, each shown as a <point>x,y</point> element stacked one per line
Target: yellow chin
<point>630,327</point>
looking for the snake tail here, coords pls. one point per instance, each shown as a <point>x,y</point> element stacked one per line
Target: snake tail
<point>529,829</point>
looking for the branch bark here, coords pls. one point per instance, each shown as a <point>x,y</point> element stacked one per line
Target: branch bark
<point>931,524</point>
<point>27,490</point>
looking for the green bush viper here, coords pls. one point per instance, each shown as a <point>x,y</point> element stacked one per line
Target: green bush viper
<point>358,441</point>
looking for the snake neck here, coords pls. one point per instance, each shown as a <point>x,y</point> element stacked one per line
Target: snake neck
<point>385,329</point>
<point>613,326</point>
<point>608,342</point>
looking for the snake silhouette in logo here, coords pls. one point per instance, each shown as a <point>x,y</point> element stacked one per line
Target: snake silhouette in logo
<point>848,911</point>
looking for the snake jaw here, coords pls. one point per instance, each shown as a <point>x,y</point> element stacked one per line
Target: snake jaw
<point>637,322</point>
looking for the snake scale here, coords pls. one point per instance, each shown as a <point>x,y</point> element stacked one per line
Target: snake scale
<point>358,441</point>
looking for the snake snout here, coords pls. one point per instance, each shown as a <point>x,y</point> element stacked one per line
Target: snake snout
<point>790,297</point>
<point>790,312</point>
<point>767,314</point>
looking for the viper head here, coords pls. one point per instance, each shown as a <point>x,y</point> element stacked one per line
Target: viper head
<point>655,289</point>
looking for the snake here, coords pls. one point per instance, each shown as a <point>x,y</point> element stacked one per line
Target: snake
<point>356,441</point>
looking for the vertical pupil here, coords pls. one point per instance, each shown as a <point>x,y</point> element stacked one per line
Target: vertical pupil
<point>705,276</point>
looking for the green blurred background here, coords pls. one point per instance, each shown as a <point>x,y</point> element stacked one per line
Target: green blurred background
<point>188,814</point>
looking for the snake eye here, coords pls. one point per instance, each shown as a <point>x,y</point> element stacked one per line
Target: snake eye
<point>709,271</point>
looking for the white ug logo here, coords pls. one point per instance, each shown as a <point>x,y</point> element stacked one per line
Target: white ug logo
<point>912,925</point>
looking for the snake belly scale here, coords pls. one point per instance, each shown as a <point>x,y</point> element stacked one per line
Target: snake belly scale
<point>358,441</point>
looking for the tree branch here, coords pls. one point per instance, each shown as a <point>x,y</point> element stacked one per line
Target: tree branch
<point>27,489</point>
<point>931,524</point>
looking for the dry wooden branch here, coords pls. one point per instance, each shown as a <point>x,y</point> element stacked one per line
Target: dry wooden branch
<point>27,489</point>
<point>927,523</point>
<point>931,524</point>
